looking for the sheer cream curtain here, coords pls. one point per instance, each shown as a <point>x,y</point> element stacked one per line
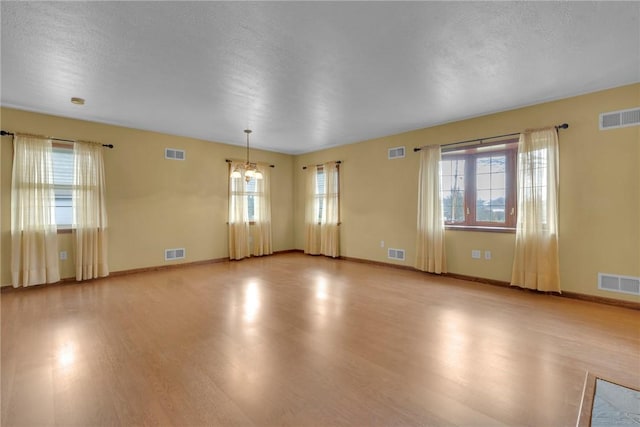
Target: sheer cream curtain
<point>322,210</point>
<point>312,209</point>
<point>536,264</point>
<point>89,211</point>
<point>34,244</point>
<point>238,217</point>
<point>430,247</point>
<point>330,218</point>
<point>261,228</point>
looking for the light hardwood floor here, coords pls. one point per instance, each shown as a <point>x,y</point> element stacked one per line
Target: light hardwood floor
<point>299,340</point>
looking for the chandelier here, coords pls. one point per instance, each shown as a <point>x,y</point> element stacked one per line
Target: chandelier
<point>248,169</point>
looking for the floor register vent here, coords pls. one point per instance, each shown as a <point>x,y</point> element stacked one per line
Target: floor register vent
<point>616,283</point>
<point>395,254</point>
<point>171,254</point>
<point>620,119</point>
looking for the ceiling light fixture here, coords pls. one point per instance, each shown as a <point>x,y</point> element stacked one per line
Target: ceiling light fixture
<point>248,169</point>
<point>77,101</point>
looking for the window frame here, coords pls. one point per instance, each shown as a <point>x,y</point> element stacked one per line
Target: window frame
<point>470,154</point>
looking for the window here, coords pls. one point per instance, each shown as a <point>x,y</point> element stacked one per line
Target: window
<point>253,196</point>
<point>62,158</point>
<point>322,195</point>
<point>322,209</point>
<point>249,212</point>
<point>478,186</point>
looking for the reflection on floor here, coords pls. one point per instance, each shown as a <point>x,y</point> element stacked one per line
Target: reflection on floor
<point>615,405</point>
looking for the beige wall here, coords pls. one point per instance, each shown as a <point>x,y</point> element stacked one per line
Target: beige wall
<point>599,193</point>
<point>154,203</point>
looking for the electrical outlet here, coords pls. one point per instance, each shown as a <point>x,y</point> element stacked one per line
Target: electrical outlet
<point>382,243</point>
<point>63,255</point>
<point>475,254</point>
<point>487,254</point>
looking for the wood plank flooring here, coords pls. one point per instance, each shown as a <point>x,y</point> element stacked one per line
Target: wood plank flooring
<point>299,340</point>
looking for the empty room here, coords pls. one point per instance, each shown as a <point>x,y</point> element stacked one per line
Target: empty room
<point>320,213</point>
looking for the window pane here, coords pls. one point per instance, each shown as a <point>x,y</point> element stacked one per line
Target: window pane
<point>491,164</point>
<point>497,213</point>
<point>64,208</point>
<point>452,190</point>
<point>483,210</point>
<point>62,159</point>
<point>250,208</point>
<point>483,181</point>
<point>445,167</point>
<point>498,196</point>
<point>491,188</point>
<point>252,199</point>
<point>321,190</point>
<point>320,204</point>
<point>62,165</point>
<point>497,205</point>
<point>320,185</point>
<point>498,180</point>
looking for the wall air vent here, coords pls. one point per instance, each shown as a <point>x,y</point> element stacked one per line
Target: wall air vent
<point>395,254</point>
<point>620,119</point>
<point>616,283</point>
<point>395,153</point>
<point>174,154</point>
<point>172,254</point>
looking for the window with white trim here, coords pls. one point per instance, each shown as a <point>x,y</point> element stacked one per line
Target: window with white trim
<point>478,186</point>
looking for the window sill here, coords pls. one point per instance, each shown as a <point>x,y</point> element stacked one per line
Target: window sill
<point>480,228</point>
<point>65,230</point>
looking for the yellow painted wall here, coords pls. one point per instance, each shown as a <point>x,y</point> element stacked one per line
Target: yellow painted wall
<point>153,203</point>
<point>599,193</point>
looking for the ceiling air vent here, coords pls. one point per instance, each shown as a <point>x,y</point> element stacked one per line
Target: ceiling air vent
<point>395,254</point>
<point>620,119</point>
<point>616,283</point>
<point>171,254</point>
<point>396,153</point>
<point>174,154</point>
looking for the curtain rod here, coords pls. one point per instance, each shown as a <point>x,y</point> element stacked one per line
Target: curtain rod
<point>337,162</point>
<point>6,133</point>
<point>562,126</point>
<point>230,160</point>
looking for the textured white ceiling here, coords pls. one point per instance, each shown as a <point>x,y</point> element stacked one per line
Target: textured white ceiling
<point>308,75</point>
